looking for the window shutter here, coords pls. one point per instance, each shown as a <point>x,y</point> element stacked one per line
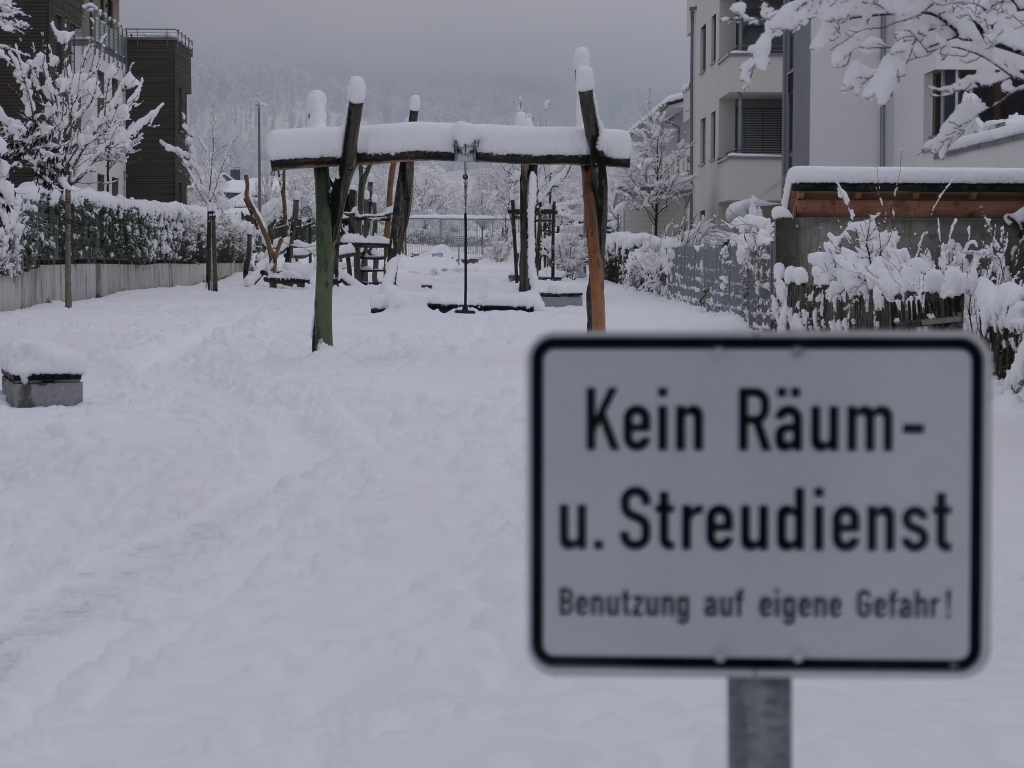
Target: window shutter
<point>762,127</point>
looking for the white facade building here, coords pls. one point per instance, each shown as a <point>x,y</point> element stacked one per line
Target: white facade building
<point>736,133</point>
<point>744,141</point>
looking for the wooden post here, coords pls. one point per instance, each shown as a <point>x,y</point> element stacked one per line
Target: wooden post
<point>403,200</point>
<point>209,248</point>
<point>595,213</point>
<point>515,249</point>
<point>390,203</point>
<point>554,226</point>
<point>328,221</point>
<point>524,228</point>
<point>293,230</point>
<point>248,256</point>
<point>323,323</point>
<point>284,213</point>
<point>595,261</point>
<point>351,203</point>
<point>68,288</point>
<point>346,167</point>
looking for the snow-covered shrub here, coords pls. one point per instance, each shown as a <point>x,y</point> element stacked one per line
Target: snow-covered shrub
<point>640,260</point>
<point>115,229</point>
<point>571,248</point>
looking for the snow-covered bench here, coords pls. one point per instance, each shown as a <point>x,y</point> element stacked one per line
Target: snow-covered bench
<point>40,373</point>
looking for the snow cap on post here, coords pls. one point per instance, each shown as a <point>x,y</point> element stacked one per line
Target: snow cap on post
<point>523,119</point>
<point>581,58</point>
<point>584,79</point>
<point>356,90</point>
<point>414,104</point>
<point>316,109</point>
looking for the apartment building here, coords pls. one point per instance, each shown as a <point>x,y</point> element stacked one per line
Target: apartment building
<point>825,126</point>
<point>162,58</point>
<point>744,141</point>
<point>736,133</point>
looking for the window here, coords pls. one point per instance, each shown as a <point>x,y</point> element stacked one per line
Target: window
<point>999,107</point>
<point>182,116</point>
<point>714,154</point>
<point>114,187</point>
<point>101,182</point>
<point>759,126</point>
<point>703,153</point>
<point>703,47</point>
<point>747,34</point>
<point>714,38</point>
<point>702,214</point>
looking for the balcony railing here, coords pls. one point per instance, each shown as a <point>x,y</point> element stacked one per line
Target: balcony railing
<point>161,34</point>
<point>102,34</point>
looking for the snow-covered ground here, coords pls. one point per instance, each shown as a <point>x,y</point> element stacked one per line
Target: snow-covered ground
<point>238,553</point>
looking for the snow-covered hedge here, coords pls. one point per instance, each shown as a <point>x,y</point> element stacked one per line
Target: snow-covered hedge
<point>640,260</point>
<point>864,272</point>
<point>106,228</point>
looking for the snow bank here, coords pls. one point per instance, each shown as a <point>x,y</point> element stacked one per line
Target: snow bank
<point>25,358</point>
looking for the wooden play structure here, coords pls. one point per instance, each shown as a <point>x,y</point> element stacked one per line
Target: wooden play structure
<point>401,145</point>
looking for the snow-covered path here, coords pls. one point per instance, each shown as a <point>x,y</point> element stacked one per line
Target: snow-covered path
<point>238,553</point>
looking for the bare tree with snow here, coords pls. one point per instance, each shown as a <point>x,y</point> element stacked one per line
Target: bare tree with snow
<point>657,175</point>
<point>984,37</point>
<point>207,158</point>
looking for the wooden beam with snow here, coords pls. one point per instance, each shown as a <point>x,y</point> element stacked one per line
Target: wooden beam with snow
<point>417,156</point>
<point>292,148</point>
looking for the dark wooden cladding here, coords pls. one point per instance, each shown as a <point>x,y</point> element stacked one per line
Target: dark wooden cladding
<point>165,67</point>
<point>64,14</point>
<point>910,201</point>
<point>446,157</point>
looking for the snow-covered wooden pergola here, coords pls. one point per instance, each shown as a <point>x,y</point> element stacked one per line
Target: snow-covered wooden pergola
<point>322,147</point>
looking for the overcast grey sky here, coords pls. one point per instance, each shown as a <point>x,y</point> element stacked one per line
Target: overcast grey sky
<point>635,45</point>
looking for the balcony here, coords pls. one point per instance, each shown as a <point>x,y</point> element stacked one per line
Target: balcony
<point>161,34</point>
<point>101,36</point>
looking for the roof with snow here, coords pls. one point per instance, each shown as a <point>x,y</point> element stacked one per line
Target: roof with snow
<point>942,192</point>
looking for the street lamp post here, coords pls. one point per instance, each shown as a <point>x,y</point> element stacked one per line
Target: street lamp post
<point>465,153</point>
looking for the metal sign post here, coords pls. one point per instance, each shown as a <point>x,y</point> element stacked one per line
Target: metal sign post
<point>759,506</point>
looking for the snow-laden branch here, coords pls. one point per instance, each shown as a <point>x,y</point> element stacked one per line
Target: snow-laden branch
<point>985,36</point>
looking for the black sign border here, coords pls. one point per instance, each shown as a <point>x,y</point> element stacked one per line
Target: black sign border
<point>979,359</point>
